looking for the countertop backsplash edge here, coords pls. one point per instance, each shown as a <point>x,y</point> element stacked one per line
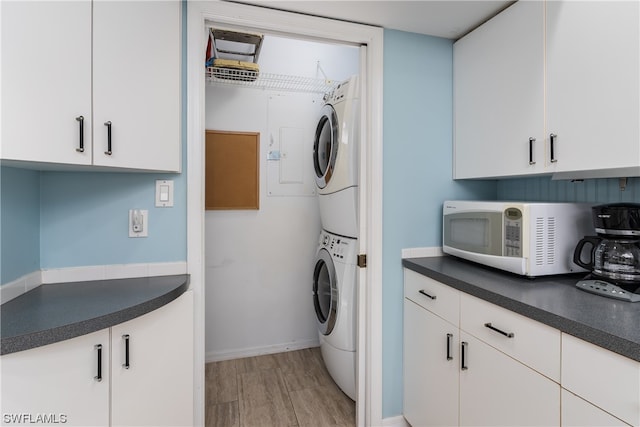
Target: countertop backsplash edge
<point>21,285</point>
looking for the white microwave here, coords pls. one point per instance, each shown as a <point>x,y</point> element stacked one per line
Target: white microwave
<point>530,239</point>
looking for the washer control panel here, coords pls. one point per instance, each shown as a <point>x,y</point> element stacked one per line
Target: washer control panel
<point>339,93</point>
<point>341,248</point>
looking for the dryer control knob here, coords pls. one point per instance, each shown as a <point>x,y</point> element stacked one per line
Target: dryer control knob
<point>325,241</point>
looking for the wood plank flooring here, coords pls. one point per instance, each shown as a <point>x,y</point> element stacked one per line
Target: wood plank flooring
<point>274,390</point>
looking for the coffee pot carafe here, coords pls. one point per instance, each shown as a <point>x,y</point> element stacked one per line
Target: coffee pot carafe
<point>614,254</point>
<point>614,259</point>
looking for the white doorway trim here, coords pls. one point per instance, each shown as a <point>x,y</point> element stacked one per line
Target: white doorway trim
<point>369,407</point>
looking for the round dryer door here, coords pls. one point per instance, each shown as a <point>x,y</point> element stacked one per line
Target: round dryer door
<point>325,292</point>
<point>325,146</point>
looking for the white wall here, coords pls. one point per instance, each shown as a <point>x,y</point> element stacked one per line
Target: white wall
<point>259,263</point>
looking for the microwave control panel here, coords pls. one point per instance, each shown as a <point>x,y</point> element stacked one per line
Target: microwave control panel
<point>512,232</point>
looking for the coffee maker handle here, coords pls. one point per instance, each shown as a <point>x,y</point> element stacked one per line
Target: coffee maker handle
<point>594,241</point>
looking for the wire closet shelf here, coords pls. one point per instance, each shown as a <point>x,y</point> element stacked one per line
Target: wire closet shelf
<point>259,80</point>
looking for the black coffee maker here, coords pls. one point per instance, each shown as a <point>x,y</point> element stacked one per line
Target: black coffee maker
<point>614,254</point>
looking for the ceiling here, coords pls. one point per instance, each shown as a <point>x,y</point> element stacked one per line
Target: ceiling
<point>443,18</point>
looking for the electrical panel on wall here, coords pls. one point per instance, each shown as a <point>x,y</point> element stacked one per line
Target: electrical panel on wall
<point>291,120</point>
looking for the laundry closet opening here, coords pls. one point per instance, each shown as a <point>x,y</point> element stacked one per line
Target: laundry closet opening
<point>259,263</point>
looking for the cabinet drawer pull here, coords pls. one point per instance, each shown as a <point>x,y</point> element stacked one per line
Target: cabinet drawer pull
<point>493,328</point>
<point>463,356</point>
<point>449,339</point>
<point>552,143</point>
<point>108,125</point>
<point>426,294</point>
<point>80,148</point>
<point>98,348</point>
<point>125,365</point>
<point>531,142</point>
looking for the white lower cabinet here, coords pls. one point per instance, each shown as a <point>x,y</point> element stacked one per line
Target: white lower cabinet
<point>157,387</point>
<point>452,377</point>
<point>431,368</point>
<point>77,383</point>
<point>496,390</point>
<point>577,412</point>
<point>57,384</point>
<point>603,378</point>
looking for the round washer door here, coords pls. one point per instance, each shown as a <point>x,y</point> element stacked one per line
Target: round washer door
<point>325,146</point>
<point>325,292</point>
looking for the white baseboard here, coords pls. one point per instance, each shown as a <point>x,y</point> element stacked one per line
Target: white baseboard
<point>114,271</point>
<point>17,287</point>
<point>10,290</point>
<point>422,252</point>
<point>217,356</point>
<point>398,421</point>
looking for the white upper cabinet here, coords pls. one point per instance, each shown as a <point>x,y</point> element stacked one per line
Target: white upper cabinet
<point>566,73</point>
<point>136,84</point>
<point>593,91</point>
<point>46,81</point>
<point>499,95</point>
<point>115,64</point>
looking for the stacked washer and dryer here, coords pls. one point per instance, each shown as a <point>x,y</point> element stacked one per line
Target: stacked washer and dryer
<point>335,158</point>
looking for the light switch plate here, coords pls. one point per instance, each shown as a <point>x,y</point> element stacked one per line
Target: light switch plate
<point>164,193</point>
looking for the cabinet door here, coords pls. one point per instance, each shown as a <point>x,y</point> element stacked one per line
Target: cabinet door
<point>430,368</point>
<point>593,94</point>
<point>498,390</point>
<point>499,95</point>
<point>136,84</point>
<point>46,81</point>
<point>577,412</point>
<point>55,384</point>
<point>614,386</point>
<point>157,388</point>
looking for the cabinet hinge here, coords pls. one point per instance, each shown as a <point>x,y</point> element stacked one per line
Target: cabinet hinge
<point>362,260</point>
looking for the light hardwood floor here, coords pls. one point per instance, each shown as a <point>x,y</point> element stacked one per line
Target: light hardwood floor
<point>274,390</point>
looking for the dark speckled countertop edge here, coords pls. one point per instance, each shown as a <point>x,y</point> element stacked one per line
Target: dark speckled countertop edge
<point>53,335</point>
<point>580,330</point>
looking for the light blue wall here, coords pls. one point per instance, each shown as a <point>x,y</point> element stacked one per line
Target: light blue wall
<point>66,219</point>
<point>84,219</point>
<point>19,223</point>
<point>417,170</point>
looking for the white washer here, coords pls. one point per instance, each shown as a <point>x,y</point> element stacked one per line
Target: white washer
<point>335,159</point>
<point>334,299</point>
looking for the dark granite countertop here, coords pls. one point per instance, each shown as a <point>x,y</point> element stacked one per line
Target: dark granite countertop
<point>56,312</point>
<point>552,300</point>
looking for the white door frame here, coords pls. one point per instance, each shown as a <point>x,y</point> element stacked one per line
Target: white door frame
<point>369,407</point>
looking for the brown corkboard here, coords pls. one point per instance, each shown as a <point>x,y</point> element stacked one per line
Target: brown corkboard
<point>232,170</point>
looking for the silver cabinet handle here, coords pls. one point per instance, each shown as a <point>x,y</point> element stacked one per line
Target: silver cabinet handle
<point>108,125</point>
<point>449,339</point>
<point>552,143</point>
<point>493,328</point>
<point>126,365</point>
<point>426,294</point>
<point>532,140</point>
<point>80,148</point>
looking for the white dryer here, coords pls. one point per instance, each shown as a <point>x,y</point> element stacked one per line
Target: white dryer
<point>335,159</point>
<point>334,299</point>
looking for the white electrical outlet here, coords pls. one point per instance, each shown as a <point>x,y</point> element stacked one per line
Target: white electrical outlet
<point>138,223</point>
